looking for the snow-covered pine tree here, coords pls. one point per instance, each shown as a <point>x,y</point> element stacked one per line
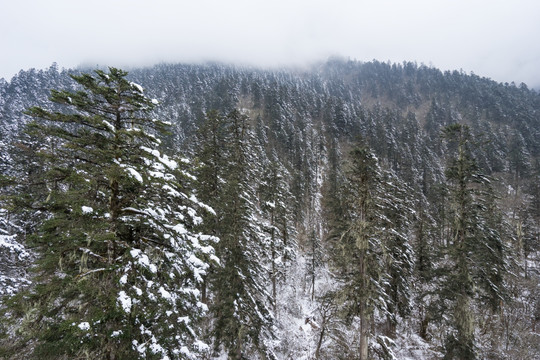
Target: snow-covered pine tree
<point>358,255</point>
<point>531,243</point>
<point>274,197</point>
<point>238,300</point>
<point>118,260</point>
<point>211,158</point>
<point>397,210</point>
<point>475,251</point>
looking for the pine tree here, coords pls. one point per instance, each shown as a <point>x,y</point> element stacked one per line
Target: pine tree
<point>475,249</point>
<point>238,296</point>
<point>210,172</point>
<point>274,198</point>
<point>119,262</point>
<point>425,257</point>
<point>373,257</point>
<point>531,217</point>
<point>314,255</point>
<point>518,158</point>
<point>397,211</point>
<point>358,257</point>
<point>460,175</point>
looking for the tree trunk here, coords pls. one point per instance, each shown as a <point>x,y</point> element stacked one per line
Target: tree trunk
<point>465,326</point>
<point>273,256</point>
<point>114,208</point>
<point>424,323</point>
<point>364,331</point>
<point>364,317</point>
<point>319,343</point>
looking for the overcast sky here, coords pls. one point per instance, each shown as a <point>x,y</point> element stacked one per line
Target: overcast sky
<point>493,38</point>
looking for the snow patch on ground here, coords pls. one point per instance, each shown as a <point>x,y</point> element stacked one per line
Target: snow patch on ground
<point>410,346</point>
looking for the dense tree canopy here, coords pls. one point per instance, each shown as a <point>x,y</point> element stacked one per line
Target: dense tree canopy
<point>328,248</point>
<point>119,262</point>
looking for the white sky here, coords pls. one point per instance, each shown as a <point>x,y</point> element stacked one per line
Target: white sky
<point>493,38</point>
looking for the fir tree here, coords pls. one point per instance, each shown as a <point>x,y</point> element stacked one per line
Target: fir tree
<point>239,299</point>
<point>373,257</point>
<point>119,262</point>
<point>274,198</point>
<point>397,210</point>
<point>358,255</point>
<point>475,249</point>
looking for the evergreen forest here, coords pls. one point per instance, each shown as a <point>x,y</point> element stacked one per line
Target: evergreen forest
<point>345,210</point>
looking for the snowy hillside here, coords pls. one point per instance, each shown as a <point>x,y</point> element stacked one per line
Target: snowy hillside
<point>349,211</point>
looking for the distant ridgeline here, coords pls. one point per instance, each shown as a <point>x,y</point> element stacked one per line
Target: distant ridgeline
<point>363,210</point>
<point>390,105</point>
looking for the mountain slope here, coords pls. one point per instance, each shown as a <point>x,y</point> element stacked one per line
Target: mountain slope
<point>305,123</point>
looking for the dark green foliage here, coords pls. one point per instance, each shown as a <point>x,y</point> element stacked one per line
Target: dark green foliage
<point>475,249</point>
<point>225,177</point>
<point>275,201</point>
<point>303,120</point>
<point>397,211</point>
<point>372,256</point>
<point>116,213</point>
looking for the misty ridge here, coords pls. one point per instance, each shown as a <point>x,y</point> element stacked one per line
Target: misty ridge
<point>338,210</point>
<point>492,39</point>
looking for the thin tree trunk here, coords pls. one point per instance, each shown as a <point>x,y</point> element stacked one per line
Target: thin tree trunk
<point>114,208</point>
<point>364,331</point>
<point>319,343</point>
<point>364,318</point>
<point>273,250</point>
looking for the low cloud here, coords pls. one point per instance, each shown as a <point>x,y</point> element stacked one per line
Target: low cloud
<point>491,38</point>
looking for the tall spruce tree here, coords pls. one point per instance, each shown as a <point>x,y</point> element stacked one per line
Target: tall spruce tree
<point>372,256</point>
<point>358,256</point>
<point>274,197</point>
<point>238,297</point>
<point>118,260</point>
<point>475,250</point>
<point>211,160</point>
<point>397,211</point>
